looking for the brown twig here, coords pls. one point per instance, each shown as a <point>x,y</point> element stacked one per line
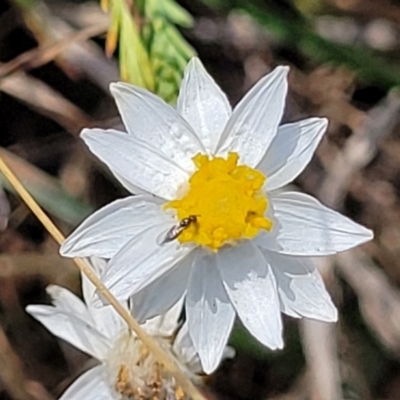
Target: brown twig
<point>320,349</point>
<point>359,149</point>
<point>357,153</point>
<point>42,55</point>
<point>45,100</point>
<point>80,57</point>
<point>378,298</point>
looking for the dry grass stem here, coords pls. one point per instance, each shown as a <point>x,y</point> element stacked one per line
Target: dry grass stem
<point>320,349</point>
<point>85,268</point>
<point>42,55</point>
<point>45,100</point>
<point>320,339</point>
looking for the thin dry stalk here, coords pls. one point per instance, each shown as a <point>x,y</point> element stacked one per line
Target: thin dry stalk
<point>45,100</point>
<point>320,338</point>
<point>85,268</point>
<point>320,349</point>
<point>44,54</point>
<point>378,298</point>
<point>359,149</point>
<point>81,57</point>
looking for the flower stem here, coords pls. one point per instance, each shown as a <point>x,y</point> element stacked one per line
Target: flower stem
<point>85,268</point>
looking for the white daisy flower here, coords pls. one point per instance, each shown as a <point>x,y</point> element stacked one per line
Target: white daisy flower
<point>211,224</point>
<point>127,370</point>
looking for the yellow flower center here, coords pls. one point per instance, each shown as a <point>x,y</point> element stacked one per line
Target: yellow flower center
<point>224,203</point>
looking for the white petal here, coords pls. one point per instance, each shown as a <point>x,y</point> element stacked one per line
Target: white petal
<point>151,120</point>
<point>209,312</point>
<point>105,319</point>
<point>254,121</point>
<point>91,385</point>
<point>183,347</point>
<point>142,261</point>
<point>98,265</point>
<point>68,306</point>
<point>291,151</point>
<point>266,239</point>
<point>131,187</point>
<point>135,161</point>
<point>251,286</point>
<point>301,288</point>
<point>162,294</point>
<point>107,230</point>
<point>108,321</point>
<point>72,328</point>
<point>307,228</point>
<point>66,301</point>
<point>203,104</point>
<point>166,324</point>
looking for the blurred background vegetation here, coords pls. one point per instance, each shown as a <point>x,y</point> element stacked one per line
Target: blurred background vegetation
<point>57,59</point>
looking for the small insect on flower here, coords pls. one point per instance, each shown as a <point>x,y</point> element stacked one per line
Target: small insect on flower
<point>177,229</point>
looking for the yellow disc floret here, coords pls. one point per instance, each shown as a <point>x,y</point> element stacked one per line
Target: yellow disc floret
<point>226,200</point>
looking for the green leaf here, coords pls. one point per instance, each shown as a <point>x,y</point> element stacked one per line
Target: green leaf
<point>134,61</point>
<point>176,39</point>
<point>168,10</point>
<point>169,55</point>
<point>176,14</point>
<point>155,54</point>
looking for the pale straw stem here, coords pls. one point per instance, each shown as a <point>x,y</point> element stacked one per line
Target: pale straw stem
<point>85,268</point>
